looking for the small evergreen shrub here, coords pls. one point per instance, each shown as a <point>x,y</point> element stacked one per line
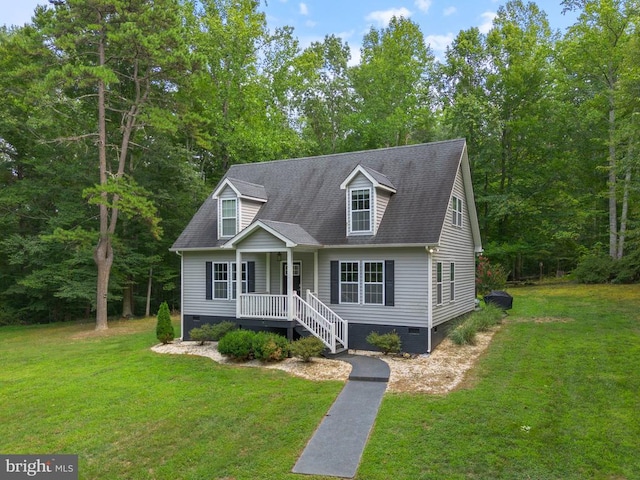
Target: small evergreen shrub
<point>307,347</point>
<point>270,347</point>
<point>387,342</point>
<point>219,330</point>
<point>211,333</point>
<point>237,344</point>
<point>164,328</point>
<point>201,334</point>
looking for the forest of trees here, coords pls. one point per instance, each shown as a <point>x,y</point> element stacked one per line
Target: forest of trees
<point>118,117</point>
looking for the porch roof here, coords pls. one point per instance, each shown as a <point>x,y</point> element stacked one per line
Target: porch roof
<point>291,234</point>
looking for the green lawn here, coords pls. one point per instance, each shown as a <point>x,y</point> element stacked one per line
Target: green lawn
<point>557,396</point>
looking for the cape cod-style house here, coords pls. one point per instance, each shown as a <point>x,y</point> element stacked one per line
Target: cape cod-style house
<point>337,245</point>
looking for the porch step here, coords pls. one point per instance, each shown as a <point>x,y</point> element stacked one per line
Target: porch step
<point>340,352</point>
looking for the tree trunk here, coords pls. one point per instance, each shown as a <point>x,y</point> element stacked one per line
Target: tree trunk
<point>103,257</point>
<point>127,300</point>
<point>613,207</point>
<point>147,312</point>
<point>624,214</point>
<point>103,254</point>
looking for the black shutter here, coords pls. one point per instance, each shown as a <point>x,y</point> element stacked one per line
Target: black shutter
<point>209,281</point>
<point>251,277</point>
<point>389,285</point>
<point>335,281</point>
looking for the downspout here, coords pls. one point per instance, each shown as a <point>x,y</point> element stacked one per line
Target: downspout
<point>181,294</point>
<point>238,283</point>
<point>430,251</point>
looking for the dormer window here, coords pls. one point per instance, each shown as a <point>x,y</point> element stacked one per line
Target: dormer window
<point>368,194</point>
<point>228,217</point>
<point>360,210</point>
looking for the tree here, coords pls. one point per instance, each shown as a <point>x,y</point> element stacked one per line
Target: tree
<point>164,328</point>
<point>120,57</point>
<point>595,53</point>
<point>391,85</point>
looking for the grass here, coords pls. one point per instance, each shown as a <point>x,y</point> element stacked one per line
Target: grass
<point>556,396</point>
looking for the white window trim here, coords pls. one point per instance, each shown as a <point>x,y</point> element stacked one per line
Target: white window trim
<point>361,282</point>
<point>456,211</point>
<point>214,281</point>
<point>230,281</point>
<point>364,283</point>
<point>221,218</point>
<point>439,283</point>
<point>340,283</point>
<point>372,213</point>
<point>452,282</point>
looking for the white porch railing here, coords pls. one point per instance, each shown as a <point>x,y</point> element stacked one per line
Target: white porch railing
<point>263,306</point>
<point>341,327</point>
<point>312,314</point>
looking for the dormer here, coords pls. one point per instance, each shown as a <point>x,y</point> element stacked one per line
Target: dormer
<point>368,193</point>
<point>238,204</point>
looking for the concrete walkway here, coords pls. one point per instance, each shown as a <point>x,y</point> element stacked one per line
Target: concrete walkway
<point>337,445</point>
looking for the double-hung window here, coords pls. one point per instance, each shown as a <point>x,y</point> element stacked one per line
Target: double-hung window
<point>228,217</point>
<point>360,210</point>
<point>221,280</point>
<point>373,282</point>
<point>234,277</point>
<point>456,212</point>
<point>439,283</point>
<point>349,282</point>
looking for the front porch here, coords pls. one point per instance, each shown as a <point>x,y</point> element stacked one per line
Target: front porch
<point>290,268</point>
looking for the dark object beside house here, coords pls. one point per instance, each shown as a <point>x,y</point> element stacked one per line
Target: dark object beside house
<point>500,299</point>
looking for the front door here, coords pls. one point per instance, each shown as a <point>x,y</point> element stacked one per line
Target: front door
<point>297,270</point>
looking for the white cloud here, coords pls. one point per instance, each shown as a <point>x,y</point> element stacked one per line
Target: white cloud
<point>423,5</point>
<point>487,23</point>
<point>439,43</point>
<point>383,17</point>
<point>449,11</point>
<point>304,10</point>
<point>310,23</point>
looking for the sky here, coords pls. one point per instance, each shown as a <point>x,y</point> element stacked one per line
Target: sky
<point>439,20</point>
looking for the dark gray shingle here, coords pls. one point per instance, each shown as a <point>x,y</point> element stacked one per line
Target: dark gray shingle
<point>306,192</point>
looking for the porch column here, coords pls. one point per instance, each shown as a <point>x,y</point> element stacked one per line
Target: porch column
<point>268,279</point>
<point>316,282</point>
<point>238,282</point>
<point>290,284</point>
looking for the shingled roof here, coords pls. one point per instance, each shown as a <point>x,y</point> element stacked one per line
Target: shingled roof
<point>306,192</point>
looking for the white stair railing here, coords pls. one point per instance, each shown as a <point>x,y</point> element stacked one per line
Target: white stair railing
<point>311,319</point>
<point>341,327</point>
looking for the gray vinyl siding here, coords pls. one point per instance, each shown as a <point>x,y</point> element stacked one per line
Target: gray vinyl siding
<point>194,282</point>
<point>248,211</point>
<point>456,245</point>
<point>261,239</point>
<point>411,272</point>
<point>382,200</point>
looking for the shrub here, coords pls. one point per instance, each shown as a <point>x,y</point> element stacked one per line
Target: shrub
<point>464,334</point>
<point>594,268</point>
<point>164,328</point>
<point>237,344</point>
<point>201,334</point>
<point>486,318</point>
<point>387,342</point>
<point>307,347</point>
<point>211,333</point>
<point>270,347</point>
<point>489,276</point>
